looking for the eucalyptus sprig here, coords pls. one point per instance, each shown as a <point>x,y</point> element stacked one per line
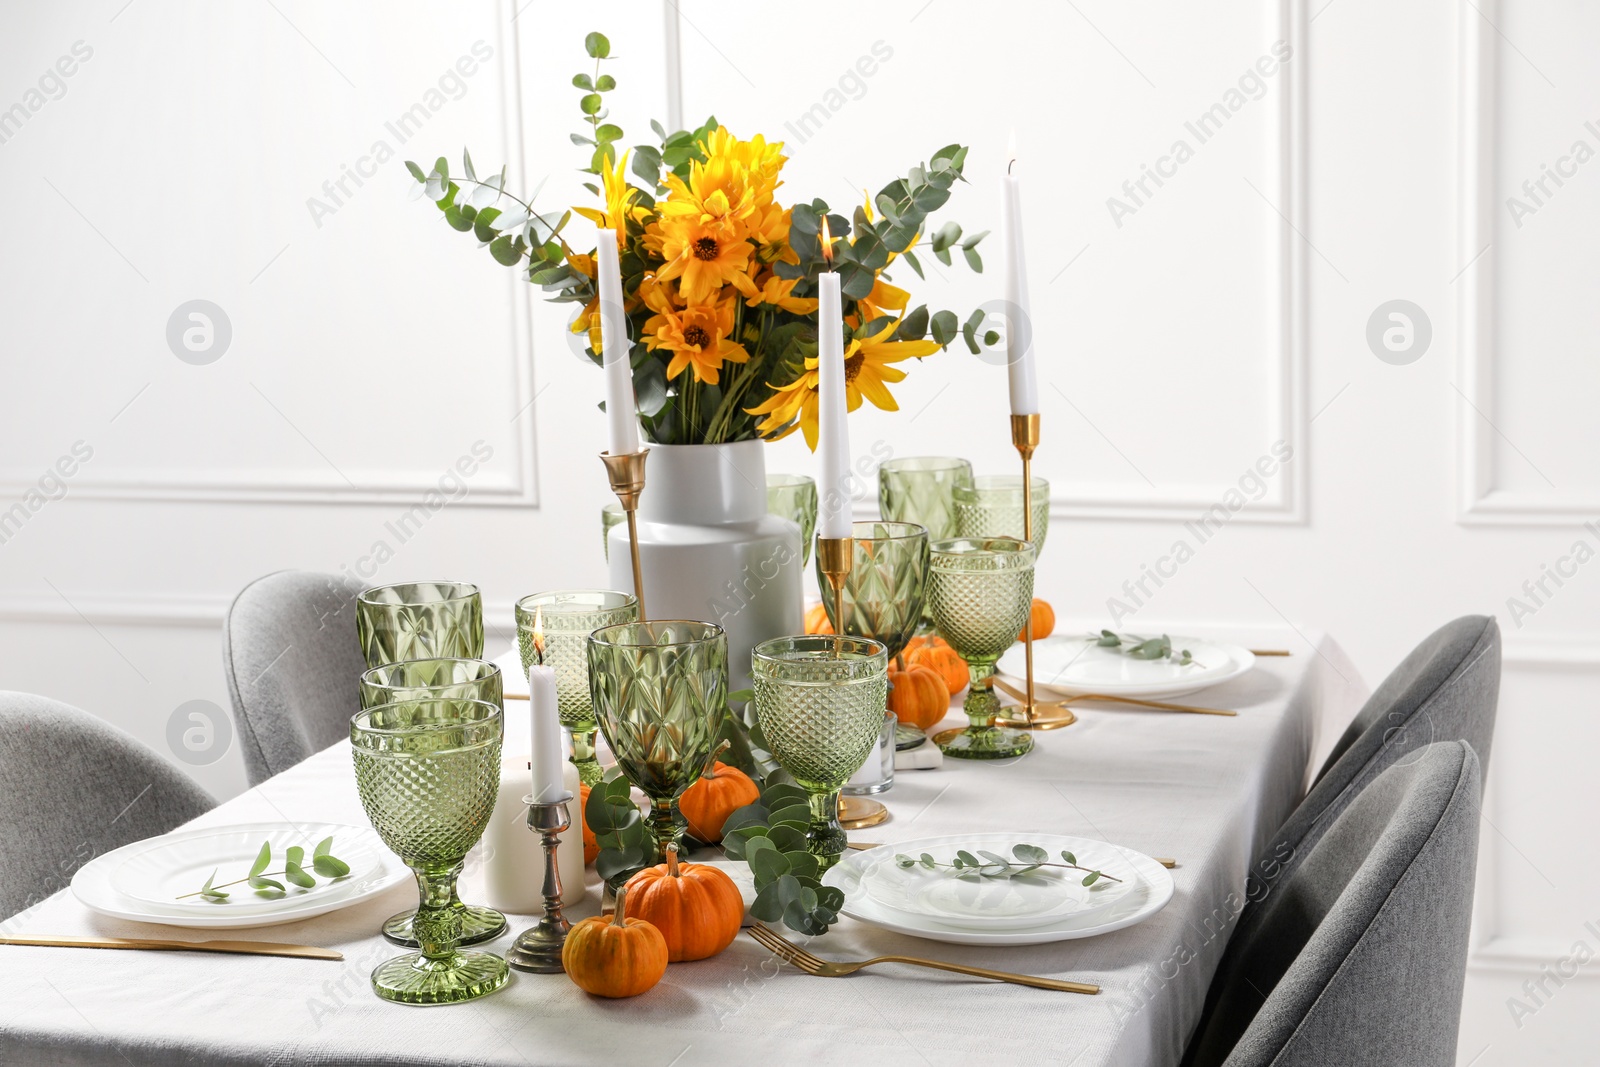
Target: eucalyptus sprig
<point>626,844</point>
<point>1135,647</point>
<point>262,881</point>
<point>770,835</point>
<point>1029,858</point>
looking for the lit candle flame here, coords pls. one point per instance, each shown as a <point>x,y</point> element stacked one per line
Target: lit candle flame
<point>538,634</point>
<point>827,243</point>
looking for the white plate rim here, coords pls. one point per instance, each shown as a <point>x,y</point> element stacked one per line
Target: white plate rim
<point>91,885</point>
<point>1241,662</point>
<point>1157,877</point>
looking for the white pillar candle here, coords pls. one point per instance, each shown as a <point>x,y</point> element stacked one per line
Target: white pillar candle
<point>548,757</point>
<point>513,855</point>
<point>1021,379</point>
<point>615,350</point>
<point>833,438</point>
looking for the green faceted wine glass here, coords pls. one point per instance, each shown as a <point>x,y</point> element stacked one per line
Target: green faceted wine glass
<point>921,489</point>
<point>420,620</point>
<point>794,497</point>
<point>980,591</point>
<point>428,772</point>
<point>884,590</point>
<point>992,507</point>
<point>610,515</point>
<point>819,701</point>
<point>553,628</point>
<point>660,690</point>
<point>417,679</point>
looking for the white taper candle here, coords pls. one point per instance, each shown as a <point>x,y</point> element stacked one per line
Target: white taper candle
<point>1020,377</point>
<point>621,421</point>
<point>833,437</point>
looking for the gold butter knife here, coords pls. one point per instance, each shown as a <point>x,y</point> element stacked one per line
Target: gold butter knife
<point>245,948</point>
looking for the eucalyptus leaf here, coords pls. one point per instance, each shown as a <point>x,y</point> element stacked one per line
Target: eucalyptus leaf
<point>263,859</point>
<point>330,866</point>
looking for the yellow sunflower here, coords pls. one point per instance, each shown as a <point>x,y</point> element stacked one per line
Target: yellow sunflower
<point>697,337</point>
<point>768,288</point>
<point>703,256</point>
<point>619,200</point>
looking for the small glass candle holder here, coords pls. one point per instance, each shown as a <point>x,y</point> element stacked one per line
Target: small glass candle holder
<point>420,620</point>
<point>553,628</point>
<point>992,507</point>
<point>820,702</point>
<point>877,773</point>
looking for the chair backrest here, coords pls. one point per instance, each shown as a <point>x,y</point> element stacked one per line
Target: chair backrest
<point>73,787</point>
<point>1360,956</point>
<point>293,664</point>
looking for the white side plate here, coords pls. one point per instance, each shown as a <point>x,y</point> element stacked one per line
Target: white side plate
<point>1072,664</point>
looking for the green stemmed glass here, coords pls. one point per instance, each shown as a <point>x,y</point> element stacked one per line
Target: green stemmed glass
<point>794,497</point>
<point>421,679</point>
<point>884,590</point>
<point>992,507</point>
<point>980,590</point>
<point>819,700</point>
<point>420,620</point>
<point>428,772</point>
<point>553,628</point>
<point>660,690</point>
<point>921,489</point>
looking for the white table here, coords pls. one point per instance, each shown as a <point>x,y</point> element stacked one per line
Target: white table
<point>1205,789</point>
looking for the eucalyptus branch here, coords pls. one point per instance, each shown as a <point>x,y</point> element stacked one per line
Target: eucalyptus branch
<point>994,865</point>
<point>1135,647</point>
<point>261,880</point>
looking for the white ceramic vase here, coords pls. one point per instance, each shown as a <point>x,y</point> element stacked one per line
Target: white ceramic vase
<point>709,550</point>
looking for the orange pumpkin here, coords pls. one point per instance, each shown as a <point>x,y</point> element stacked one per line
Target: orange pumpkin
<point>936,654</point>
<point>591,846</point>
<point>817,620</point>
<point>919,696</point>
<point>697,908</point>
<point>1044,621</point>
<point>719,793</point>
<point>614,956</point>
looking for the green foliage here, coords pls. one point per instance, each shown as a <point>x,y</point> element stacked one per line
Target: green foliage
<point>626,845</point>
<point>1135,647</point>
<point>1027,859</point>
<point>264,882</point>
<point>770,835</point>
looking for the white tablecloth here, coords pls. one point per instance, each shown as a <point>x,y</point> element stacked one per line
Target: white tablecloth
<point>1205,789</point>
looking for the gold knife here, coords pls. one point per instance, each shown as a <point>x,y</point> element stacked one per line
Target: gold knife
<point>246,948</point>
<point>1018,695</point>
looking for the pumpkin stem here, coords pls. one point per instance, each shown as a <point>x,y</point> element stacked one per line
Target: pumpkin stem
<point>711,764</point>
<point>900,660</point>
<point>619,916</point>
<point>672,862</point>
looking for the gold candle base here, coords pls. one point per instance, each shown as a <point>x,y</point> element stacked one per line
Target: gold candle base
<point>856,813</point>
<point>835,557</point>
<point>1036,714</point>
<point>627,481</point>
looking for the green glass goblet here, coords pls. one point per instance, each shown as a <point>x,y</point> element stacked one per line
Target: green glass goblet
<point>421,679</point>
<point>553,629</point>
<point>610,515</point>
<point>819,700</point>
<point>921,489</point>
<point>992,507</point>
<point>660,690</point>
<point>420,620</point>
<point>980,591</point>
<point>428,772</point>
<point>883,593</point>
<point>794,497</point>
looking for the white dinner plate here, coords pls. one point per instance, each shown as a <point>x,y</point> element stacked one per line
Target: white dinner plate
<point>164,871</point>
<point>1138,903</point>
<point>94,886</point>
<point>974,902</point>
<point>1073,663</point>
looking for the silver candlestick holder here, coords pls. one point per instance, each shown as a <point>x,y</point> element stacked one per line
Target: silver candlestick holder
<point>538,948</point>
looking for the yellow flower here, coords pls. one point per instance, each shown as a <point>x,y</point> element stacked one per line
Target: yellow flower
<point>697,336</point>
<point>885,298</point>
<point>798,398</point>
<point>718,190</point>
<point>761,160</point>
<point>704,256</point>
<point>619,199</point>
<point>775,291</point>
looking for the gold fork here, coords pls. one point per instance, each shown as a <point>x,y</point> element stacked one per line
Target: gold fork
<point>1017,694</point>
<point>790,952</point>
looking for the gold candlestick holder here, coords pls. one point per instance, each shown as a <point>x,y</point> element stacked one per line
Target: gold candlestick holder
<point>1036,714</point>
<point>627,481</point>
<point>835,558</point>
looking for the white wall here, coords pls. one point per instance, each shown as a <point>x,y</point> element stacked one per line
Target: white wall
<point>372,347</point>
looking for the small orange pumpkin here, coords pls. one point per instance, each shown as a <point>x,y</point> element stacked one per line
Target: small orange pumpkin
<point>614,956</point>
<point>817,620</point>
<point>720,792</point>
<point>591,845</point>
<point>919,696</point>
<point>1044,621</point>
<point>697,908</point>
<point>936,654</point>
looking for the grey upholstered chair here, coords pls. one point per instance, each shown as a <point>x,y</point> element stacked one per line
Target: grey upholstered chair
<point>293,664</point>
<point>1360,955</point>
<point>71,787</point>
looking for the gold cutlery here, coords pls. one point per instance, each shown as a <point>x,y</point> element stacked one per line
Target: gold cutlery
<point>1166,861</point>
<point>790,952</point>
<point>246,948</point>
<point>1016,694</point>
<point>524,696</point>
<point>1269,651</point>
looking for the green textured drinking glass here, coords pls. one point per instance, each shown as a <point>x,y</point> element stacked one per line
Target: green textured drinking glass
<point>819,700</point>
<point>428,772</point>
<point>420,620</point>
<point>992,507</point>
<point>921,489</point>
<point>610,515</point>
<point>794,497</point>
<point>660,690</point>
<point>884,590</point>
<point>420,679</point>
<point>553,628</point>
<point>980,590</point>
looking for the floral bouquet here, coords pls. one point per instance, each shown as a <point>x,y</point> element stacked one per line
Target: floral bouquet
<point>719,277</point>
